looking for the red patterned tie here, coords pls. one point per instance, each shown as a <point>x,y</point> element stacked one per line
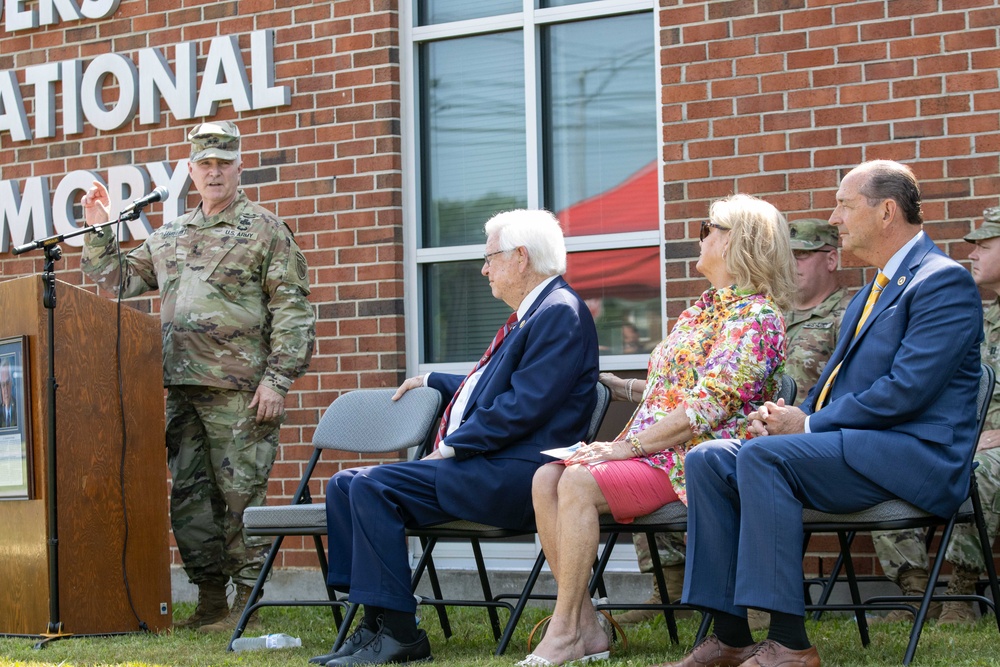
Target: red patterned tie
<point>494,346</point>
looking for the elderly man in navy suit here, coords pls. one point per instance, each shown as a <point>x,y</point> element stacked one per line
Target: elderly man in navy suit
<point>901,387</point>
<point>532,390</point>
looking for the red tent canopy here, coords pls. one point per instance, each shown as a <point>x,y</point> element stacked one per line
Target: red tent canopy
<point>630,206</point>
<point>629,273</point>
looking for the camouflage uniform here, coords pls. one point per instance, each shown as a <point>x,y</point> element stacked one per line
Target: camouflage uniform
<point>234,315</point>
<point>669,546</point>
<point>900,550</point>
<point>812,336</point>
<point>812,333</point>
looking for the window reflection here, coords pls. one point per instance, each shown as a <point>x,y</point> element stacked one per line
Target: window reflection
<point>600,124</point>
<point>460,314</point>
<point>431,12</point>
<point>622,290</point>
<point>473,135</point>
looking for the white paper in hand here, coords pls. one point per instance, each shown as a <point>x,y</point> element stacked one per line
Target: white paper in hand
<point>562,452</point>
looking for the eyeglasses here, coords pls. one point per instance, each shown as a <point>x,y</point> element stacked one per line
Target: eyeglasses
<point>486,257</point>
<point>706,229</point>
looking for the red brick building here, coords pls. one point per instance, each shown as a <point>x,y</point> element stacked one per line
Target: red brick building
<point>386,132</point>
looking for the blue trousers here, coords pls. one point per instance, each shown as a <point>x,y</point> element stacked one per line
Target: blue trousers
<point>367,512</point>
<point>745,502</point>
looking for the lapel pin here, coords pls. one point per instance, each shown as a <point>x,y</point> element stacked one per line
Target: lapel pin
<point>902,279</point>
<point>521,325</point>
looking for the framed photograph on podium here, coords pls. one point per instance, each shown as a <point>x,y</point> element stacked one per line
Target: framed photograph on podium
<point>15,421</point>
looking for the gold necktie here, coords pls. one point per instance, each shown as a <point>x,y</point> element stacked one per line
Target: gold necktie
<point>881,280</point>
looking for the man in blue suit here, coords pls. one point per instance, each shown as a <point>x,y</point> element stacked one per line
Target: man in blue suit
<point>533,390</point>
<point>893,415</point>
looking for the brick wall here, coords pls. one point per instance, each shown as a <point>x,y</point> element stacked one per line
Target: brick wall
<point>328,164</point>
<point>780,98</point>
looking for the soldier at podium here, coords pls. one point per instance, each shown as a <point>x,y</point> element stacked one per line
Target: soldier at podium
<point>237,331</point>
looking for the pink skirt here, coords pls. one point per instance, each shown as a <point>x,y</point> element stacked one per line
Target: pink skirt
<point>632,487</point>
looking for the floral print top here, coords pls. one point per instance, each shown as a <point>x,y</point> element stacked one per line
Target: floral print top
<point>722,359</point>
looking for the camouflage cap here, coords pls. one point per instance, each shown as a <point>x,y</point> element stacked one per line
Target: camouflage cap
<point>812,234</point>
<point>220,139</point>
<point>990,228</point>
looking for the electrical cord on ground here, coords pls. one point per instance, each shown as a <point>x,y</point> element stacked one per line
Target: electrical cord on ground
<point>124,448</point>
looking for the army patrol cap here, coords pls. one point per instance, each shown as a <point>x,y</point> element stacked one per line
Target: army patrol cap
<point>812,234</point>
<point>990,228</point>
<point>220,139</point>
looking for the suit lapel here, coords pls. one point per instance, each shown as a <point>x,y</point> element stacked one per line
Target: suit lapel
<point>495,360</point>
<point>897,285</point>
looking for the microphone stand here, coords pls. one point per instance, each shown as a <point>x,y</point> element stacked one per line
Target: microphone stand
<point>53,253</point>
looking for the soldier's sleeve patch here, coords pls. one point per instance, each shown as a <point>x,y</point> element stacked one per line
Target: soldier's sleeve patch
<point>300,265</point>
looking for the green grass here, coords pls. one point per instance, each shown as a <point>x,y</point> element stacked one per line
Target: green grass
<point>472,644</point>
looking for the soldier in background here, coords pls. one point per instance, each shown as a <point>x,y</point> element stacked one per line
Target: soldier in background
<point>812,330</point>
<point>814,325</point>
<point>903,553</point>
<point>237,331</point>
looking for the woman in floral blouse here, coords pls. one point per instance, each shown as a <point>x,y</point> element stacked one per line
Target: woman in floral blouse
<point>722,359</point>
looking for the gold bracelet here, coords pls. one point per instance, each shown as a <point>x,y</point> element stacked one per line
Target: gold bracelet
<point>632,441</point>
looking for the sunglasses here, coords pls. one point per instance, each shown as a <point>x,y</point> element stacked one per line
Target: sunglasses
<point>706,229</point>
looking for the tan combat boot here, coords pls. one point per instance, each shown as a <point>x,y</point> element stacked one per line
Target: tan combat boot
<point>911,582</point>
<point>212,606</point>
<point>673,575</point>
<point>228,624</point>
<point>963,582</point>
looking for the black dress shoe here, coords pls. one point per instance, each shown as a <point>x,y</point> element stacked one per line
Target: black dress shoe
<point>361,636</point>
<point>384,649</point>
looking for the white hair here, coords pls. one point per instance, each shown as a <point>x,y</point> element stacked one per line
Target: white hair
<point>538,231</point>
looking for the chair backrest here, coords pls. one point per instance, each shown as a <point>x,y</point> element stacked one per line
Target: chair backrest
<point>369,421</point>
<point>601,409</point>
<point>787,389</point>
<point>983,397</point>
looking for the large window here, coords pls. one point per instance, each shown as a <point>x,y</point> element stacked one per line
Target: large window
<point>539,104</point>
<point>513,104</point>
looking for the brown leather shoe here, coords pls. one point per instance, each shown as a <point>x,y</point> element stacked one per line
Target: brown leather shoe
<point>713,653</point>
<point>770,653</point>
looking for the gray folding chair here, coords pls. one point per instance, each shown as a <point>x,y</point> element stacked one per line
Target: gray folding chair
<point>897,514</point>
<point>474,532</point>
<point>365,421</point>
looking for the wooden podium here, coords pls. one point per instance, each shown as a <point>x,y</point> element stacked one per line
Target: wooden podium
<point>91,516</point>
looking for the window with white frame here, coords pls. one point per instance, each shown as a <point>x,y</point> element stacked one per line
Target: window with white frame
<point>528,104</point>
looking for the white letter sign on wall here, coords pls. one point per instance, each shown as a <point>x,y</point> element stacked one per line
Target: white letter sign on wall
<point>26,218</point>
<point>43,78</point>
<point>124,109</point>
<point>50,12</point>
<point>224,78</point>
<point>158,80</point>
<point>53,11</point>
<point>98,9</point>
<point>12,116</point>
<point>265,93</point>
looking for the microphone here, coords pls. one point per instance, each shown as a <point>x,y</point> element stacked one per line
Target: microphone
<point>132,210</point>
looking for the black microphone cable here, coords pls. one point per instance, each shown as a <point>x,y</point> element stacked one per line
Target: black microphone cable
<point>121,412</point>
